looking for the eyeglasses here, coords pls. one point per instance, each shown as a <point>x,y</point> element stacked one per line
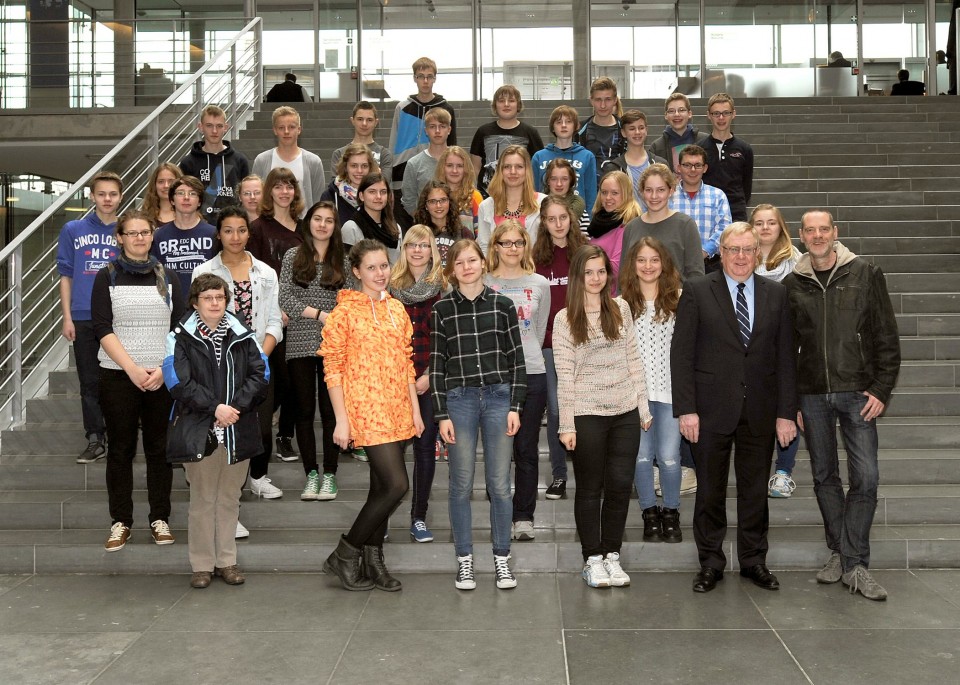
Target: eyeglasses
<point>436,202</point>
<point>137,234</point>
<point>681,110</point>
<point>507,244</point>
<point>213,299</point>
<point>251,193</point>
<point>426,77</point>
<point>746,251</point>
<point>418,246</point>
<point>186,193</point>
<point>693,167</point>
<point>720,115</point>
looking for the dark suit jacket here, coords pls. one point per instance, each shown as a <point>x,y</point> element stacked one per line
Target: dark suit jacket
<point>288,91</point>
<point>711,370</point>
<point>908,88</point>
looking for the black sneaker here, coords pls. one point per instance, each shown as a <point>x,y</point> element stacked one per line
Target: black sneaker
<point>557,489</point>
<point>96,450</point>
<point>285,451</point>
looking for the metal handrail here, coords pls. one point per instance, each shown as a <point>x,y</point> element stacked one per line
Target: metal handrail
<point>30,317</point>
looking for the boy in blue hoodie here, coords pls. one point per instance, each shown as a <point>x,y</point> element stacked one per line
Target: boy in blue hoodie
<point>679,132</point>
<point>564,122</point>
<point>85,246</point>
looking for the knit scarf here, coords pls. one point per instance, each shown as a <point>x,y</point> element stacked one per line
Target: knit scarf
<point>371,229</point>
<point>150,264</point>
<point>603,222</point>
<point>418,292</point>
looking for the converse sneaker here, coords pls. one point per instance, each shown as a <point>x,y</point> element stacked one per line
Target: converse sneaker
<point>359,454</point>
<point>312,488</point>
<point>161,533</point>
<point>781,484</point>
<point>557,489</point>
<point>328,487</point>
<point>465,577</point>
<point>523,530</point>
<point>688,480</point>
<point>285,451</point>
<point>618,577</point>
<point>262,487</point>
<point>242,532</point>
<point>119,534</point>
<point>595,572</point>
<point>420,532</point>
<point>831,571</point>
<point>858,579</point>
<point>96,449</point>
<point>505,577</point>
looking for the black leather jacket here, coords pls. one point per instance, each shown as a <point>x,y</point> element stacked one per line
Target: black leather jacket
<point>846,332</point>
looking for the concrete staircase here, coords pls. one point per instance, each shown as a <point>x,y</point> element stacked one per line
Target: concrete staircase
<point>887,169</point>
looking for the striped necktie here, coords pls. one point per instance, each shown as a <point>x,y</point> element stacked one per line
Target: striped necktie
<point>743,315</point>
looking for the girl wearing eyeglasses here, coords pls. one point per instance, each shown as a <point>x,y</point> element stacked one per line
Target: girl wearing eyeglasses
<point>435,208</point>
<point>511,272</point>
<point>677,231</point>
<point>512,196</point>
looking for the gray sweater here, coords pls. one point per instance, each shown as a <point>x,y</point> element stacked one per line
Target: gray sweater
<point>531,299</point>
<point>678,233</point>
<point>416,175</point>
<point>313,182</point>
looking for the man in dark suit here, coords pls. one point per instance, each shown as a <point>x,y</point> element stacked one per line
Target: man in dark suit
<point>733,365</point>
<point>288,91</point>
<point>904,86</point>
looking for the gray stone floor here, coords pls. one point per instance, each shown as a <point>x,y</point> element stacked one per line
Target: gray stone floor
<point>551,629</point>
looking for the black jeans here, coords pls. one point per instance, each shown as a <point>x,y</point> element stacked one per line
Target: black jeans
<point>125,407</point>
<point>526,449</point>
<point>388,485</point>
<point>424,460</point>
<point>284,397</point>
<point>306,382</point>
<point>86,346</point>
<point>260,463</point>
<point>603,463</point>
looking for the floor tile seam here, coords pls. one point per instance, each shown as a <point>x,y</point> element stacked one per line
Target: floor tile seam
<point>936,591</point>
<point>780,639</point>
<point>563,635</point>
<point>26,577</point>
<point>346,643</point>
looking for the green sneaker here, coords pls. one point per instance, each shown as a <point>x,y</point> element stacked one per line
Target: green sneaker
<point>328,488</point>
<point>312,489</point>
<point>360,454</point>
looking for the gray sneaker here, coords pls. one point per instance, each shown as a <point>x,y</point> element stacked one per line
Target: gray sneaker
<point>96,450</point>
<point>858,579</point>
<point>831,571</point>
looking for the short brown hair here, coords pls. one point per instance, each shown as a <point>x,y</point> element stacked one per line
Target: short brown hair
<point>505,92</point>
<point>437,114</point>
<point>424,63</point>
<point>673,97</point>
<point>564,111</point>
<point>204,282</point>
<point>106,176</point>
<point>720,98</point>
<point>632,116</point>
<point>284,111</point>
<point>212,111</point>
<point>692,151</point>
<point>454,252</point>
<point>191,182</point>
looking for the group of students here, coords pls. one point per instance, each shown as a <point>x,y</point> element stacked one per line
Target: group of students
<point>472,314</point>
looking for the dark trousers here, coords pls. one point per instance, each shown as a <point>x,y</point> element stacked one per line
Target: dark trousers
<point>306,382</point>
<point>125,407</point>
<point>752,467</point>
<point>424,460</point>
<point>603,463</point>
<point>526,449</point>
<point>284,397</point>
<point>86,346</point>
<point>260,462</point>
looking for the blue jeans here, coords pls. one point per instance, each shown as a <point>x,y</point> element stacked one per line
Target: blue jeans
<point>661,442</point>
<point>558,453</point>
<point>787,456</point>
<point>526,449</point>
<point>471,410</point>
<point>846,519</point>
<point>424,460</point>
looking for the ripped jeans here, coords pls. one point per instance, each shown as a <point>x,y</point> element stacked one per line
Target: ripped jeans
<point>661,442</point>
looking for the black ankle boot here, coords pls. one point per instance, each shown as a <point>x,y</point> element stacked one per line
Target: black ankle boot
<point>375,569</point>
<point>652,529</point>
<point>670,519</point>
<point>345,564</point>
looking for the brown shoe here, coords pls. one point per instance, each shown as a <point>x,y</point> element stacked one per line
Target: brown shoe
<point>232,575</point>
<point>161,533</point>
<point>200,579</point>
<point>119,534</point>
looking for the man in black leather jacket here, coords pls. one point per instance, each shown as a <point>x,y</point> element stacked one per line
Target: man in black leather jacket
<point>848,361</point>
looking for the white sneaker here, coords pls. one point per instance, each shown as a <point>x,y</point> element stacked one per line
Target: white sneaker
<point>688,480</point>
<point>781,485</point>
<point>242,532</point>
<point>618,577</point>
<point>262,487</point>
<point>466,580</point>
<point>523,530</point>
<point>595,572</point>
<point>505,577</point>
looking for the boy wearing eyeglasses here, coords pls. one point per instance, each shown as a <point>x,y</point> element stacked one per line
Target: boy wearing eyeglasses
<point>730,159</point>
<point>703,203</point>
<point>188,241</point>
<point>85,246</point>
<point>679,132</point>
<point>218,166</point>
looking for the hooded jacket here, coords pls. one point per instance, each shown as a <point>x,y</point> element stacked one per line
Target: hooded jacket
<point>220,173</point>
<point>846,332</point>
<point>198,385</point>
<point>407,136</point>
<point>583,162</point>
<point>669,144</point>
<point>366,350</point>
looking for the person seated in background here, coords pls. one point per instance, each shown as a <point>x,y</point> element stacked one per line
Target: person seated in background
<point>288,91</point>
<point>365,120</point>
<point>904,86</point>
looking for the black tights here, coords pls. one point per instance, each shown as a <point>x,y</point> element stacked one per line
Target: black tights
<point>388,485</point>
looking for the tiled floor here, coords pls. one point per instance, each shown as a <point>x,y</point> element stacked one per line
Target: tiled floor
<point>551,629</point>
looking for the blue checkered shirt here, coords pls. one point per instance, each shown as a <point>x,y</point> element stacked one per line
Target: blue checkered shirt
<point>710,210</point>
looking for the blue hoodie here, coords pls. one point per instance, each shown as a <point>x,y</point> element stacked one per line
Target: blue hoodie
<point>584,163</point>
<point>85,247</point>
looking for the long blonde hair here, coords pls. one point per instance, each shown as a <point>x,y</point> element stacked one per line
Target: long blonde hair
<point>493,257</point>
<point>628,209</point>
<point>782,248</point>
<point>462,196</point>
<point>498,189</point>
<point>401,276</point>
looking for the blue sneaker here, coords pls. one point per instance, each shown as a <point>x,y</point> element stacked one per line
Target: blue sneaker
<point>420,532</point>
<point>781,485</point>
